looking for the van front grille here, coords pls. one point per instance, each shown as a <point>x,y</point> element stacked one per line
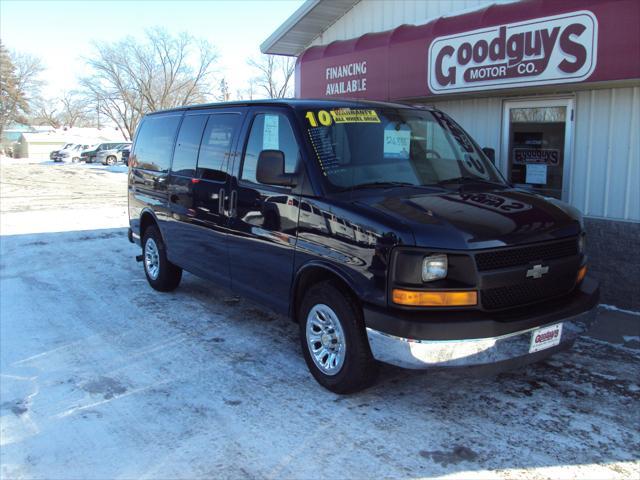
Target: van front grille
<point>530,291</point>
<point>511,257</point>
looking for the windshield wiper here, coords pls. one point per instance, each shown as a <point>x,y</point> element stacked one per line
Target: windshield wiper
<point>470,180</point>
<point>382,185</point>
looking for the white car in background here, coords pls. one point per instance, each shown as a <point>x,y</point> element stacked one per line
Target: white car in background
<point>70,152</point>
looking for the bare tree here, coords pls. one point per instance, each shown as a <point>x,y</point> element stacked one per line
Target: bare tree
<point>247,93</point>
<point>224,95</point>
<point>130,78</point>
<point>19,86</point>
<point>70,110</point>
<point>46,112</point>
<point>75,110</point>
<point>274,75</point>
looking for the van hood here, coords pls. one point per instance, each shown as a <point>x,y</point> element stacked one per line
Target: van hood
<point>460,220</point>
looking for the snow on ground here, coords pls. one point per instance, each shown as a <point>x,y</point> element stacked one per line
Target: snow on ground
<point>102,377</point>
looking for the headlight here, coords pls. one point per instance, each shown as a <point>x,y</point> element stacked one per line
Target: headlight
<point>434,267</point>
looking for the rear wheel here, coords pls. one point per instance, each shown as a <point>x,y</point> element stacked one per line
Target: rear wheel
<point>334,341</point>
<point>161,274</point>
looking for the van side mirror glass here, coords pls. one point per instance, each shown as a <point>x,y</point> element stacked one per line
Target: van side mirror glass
<point>490,153</point>
<point>270,169</point>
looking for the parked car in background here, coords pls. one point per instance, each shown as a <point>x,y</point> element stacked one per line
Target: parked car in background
<point>71,153</point>
<point>125,154</point>
<point>53,153</point>
<point>112,155</point>
<point>90,155</point>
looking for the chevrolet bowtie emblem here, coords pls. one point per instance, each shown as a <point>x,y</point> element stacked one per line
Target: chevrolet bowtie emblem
<point>537,271</point>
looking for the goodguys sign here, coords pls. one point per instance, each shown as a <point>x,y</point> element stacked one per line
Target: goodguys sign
<point>548,50</point>
<point>528,44</point>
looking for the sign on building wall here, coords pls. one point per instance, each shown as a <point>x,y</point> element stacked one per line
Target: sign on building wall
<point>542,51</point>
<point>521,44</point>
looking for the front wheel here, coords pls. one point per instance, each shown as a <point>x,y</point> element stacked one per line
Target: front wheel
<point>161,274</point>
<point>111,160</point>
<point>334,341</point>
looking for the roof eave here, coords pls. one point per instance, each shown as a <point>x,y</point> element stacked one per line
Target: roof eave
<point>304,26</point>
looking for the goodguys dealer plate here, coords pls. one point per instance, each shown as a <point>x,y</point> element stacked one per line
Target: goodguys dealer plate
<point>545,337</point>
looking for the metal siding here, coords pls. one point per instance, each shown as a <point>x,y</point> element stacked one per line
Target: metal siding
<point>606,173</point>
<point>379,15</point>
<point>481,117</point>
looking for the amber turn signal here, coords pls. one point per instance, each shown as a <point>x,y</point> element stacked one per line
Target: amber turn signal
<point>435,299</point>
<point>581,274</point>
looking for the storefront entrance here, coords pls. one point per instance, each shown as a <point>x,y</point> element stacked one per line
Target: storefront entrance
<point>536,145</point>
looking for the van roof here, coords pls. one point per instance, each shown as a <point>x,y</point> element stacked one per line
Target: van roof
<point>296,103</point>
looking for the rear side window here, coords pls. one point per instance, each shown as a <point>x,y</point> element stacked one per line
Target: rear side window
<point>270,131</point>
<point>216,145</point>
<point>154,143</point>
<point>185,157</point>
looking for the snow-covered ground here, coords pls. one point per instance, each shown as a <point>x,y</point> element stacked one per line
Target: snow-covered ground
<point>102,377</point>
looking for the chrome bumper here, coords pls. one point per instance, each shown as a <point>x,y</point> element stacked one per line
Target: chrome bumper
<point>419,354</point>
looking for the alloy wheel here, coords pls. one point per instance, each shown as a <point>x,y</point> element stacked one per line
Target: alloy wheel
<point>325,339</point>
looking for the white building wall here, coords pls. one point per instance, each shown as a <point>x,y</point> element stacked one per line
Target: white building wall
<point>605,169</point>
<point>606,173</point>
<point>481,117</point>
<point>379,15</point>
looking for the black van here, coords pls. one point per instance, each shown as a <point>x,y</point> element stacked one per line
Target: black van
<point>383,230</point>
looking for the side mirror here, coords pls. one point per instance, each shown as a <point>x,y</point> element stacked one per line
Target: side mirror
<point>270,169</point>
<point>490,153</point>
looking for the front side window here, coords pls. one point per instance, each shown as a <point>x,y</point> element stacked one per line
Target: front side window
<point>217,144</point>
<point>185,156</point>
<point>154,143</point>
<point>361,147</point>
<point>270,131</point>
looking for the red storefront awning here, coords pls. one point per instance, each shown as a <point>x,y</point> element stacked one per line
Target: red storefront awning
<point>524,44</point>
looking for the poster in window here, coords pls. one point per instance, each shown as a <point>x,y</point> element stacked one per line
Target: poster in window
<point>270,133</point>
<point>536,173</point>
<point>397,143</point>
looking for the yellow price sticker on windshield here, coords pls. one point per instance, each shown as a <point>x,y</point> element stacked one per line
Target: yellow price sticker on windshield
<point>345,115</point>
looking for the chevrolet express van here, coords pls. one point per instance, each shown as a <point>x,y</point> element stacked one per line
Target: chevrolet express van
<point>383,230</point>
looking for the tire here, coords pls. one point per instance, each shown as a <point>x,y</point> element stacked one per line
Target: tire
<point>332,321</point>
<point>75,160</point>
<point>111,160</point>
<point>161,274</point>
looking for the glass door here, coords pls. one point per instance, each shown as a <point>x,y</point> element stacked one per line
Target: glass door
<point>537,145</point>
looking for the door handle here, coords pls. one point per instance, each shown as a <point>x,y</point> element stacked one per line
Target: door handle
<point>233,203</point>
<point>221,201</point>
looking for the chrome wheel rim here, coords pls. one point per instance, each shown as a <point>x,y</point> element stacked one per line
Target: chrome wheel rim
<point>325,339</point>
<point>151,258</point>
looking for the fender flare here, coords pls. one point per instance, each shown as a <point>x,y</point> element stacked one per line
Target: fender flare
<point>330,268</point>
<point>148,211</point>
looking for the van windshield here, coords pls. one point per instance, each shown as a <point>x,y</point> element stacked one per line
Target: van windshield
<point>371,147</point>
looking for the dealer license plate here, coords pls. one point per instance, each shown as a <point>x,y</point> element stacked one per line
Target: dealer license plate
<point>545,337</point>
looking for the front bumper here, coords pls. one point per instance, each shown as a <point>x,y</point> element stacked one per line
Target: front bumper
<point>511,345</point>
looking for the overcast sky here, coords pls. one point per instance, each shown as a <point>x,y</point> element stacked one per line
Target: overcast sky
<point>61,32</point>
